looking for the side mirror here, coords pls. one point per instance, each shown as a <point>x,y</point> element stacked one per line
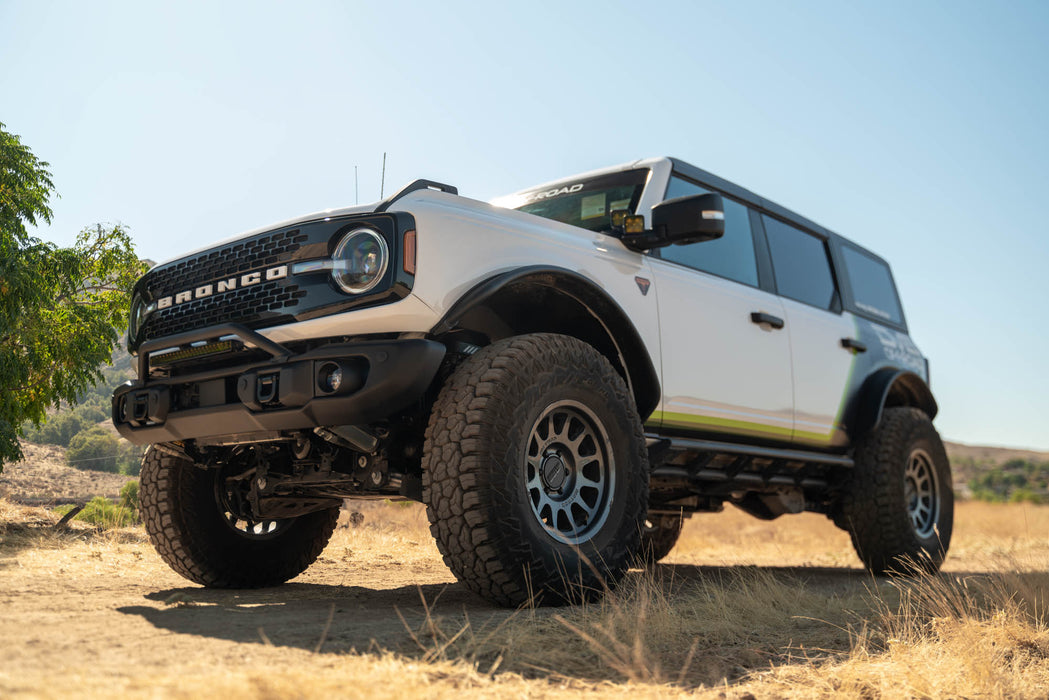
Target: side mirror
<point>690,219</point>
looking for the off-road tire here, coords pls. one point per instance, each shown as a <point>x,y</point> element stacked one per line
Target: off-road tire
<point>476,473</point>
<point>875,510</point>
<point>658,537</point>
<point>191,533</point>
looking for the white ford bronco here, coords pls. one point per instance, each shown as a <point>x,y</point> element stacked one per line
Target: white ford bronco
<point>561,376</point>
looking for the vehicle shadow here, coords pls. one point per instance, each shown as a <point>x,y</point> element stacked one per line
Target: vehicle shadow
<point>341,618</point>
<point>331,619</point>
<point>315,617</point>
<point>828,578</point>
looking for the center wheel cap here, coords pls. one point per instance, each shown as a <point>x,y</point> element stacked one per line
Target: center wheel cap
<point>554,473</point>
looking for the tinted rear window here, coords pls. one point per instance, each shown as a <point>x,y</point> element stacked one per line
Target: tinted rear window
<point>801,265</point>
<point>872,288</point>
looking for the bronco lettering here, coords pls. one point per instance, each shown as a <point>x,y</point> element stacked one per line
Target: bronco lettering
<point>225,285</point>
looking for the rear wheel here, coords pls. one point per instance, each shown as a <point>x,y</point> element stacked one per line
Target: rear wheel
<point>899,505</point>
<point>535,471</point>
<point>199,529</point>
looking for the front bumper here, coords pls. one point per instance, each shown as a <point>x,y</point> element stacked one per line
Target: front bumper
<point>282,393</point>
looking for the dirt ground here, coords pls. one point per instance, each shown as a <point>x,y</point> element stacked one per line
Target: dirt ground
<point>89,613</point>
<point>101,607</point>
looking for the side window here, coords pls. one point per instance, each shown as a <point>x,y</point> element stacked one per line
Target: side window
<point>731,256</point>
<point>872,286</point>
<point>801,265</point>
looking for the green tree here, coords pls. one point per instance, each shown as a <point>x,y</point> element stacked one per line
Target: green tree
<point>59,428</point>
<point>96,449</point>
<point>61,309</point>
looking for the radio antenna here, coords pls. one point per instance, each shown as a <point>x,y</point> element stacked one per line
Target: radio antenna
<point>356,189</point>
<point>382,183</point>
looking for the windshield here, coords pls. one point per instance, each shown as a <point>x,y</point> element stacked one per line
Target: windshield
<point>585,203</point>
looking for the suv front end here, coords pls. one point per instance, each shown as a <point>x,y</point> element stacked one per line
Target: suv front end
<point>206,368</point>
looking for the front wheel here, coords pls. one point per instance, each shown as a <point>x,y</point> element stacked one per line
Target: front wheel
<point>899,505</point>
<point>535,471</point>
<point>191,522</point>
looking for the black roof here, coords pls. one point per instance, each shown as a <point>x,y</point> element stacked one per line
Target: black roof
<point>767,206</point>
<point>749,198</point>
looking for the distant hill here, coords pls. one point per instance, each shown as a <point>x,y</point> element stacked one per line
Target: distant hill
<point>992,455</point>
<point>969,461</point>
<point>44,478</point>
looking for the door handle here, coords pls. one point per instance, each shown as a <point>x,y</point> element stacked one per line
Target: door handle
<point>760,317</point>
<point>854,345</point>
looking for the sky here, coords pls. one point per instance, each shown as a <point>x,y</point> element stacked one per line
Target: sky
<point>917,129</point>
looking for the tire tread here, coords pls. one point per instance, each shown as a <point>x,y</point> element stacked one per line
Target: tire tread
<point>873,509</point>
<point>468,497</point>
<point>184,531</point>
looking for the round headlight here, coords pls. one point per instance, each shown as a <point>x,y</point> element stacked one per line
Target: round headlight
<point>138,315</point>
<point>360,260</point>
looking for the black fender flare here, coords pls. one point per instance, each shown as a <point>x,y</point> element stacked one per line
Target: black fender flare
<point>632,355</point>
<point>891,387</point>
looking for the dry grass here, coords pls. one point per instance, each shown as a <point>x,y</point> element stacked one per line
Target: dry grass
<point>31,527</point>
<point>980,629</point>
<point>742,607</point>
<point>764,634</point>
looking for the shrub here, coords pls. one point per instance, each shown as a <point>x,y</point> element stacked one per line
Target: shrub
<point>1016,481</point>
<point>104,513</point>
<point>129,497</point>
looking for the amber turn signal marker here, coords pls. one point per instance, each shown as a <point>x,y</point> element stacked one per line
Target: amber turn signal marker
<point>409,252</point>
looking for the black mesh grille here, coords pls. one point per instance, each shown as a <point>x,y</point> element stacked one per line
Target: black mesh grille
<point>227,261</point>
<point>267,302</point>
<point>281,295</point>
<point>248,305</point>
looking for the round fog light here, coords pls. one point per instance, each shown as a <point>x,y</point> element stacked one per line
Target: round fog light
<point>330,378</point>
